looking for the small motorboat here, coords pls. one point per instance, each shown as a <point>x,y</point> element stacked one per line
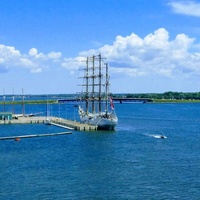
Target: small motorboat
<point>163,137</point>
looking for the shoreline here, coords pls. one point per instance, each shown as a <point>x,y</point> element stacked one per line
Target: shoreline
<point>29,102</point>
<point>56,102</point>
<point>174,101</point>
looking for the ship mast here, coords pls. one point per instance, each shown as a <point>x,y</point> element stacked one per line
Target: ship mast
<point>100,76</point>
<point>93,83</point>
<point>107,85</point>
<point>93,95</point>
<point>87,86</point>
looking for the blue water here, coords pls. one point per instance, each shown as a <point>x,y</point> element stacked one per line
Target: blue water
<point>128,163</point>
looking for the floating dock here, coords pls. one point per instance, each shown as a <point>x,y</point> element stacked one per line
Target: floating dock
<point>64,123</point>
<point>17,138</point>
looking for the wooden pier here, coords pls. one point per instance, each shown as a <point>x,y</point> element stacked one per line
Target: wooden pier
<point>64,123</point>
<point>72,124</point>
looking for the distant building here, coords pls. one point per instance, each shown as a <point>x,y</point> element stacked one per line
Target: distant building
<point>5,116</point>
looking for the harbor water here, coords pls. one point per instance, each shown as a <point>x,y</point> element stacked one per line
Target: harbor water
<point>132,162</point>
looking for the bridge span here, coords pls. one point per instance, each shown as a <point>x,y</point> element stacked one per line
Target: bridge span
<point>115,100</point>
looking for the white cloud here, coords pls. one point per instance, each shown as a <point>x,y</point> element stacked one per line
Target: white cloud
<point>153,55</point>
<point>36,70</point>
<point>34,53</point>
<point>73,64</point>
<point>158,40</point>
<point>54,55</point>
<point>186,7</point>
<point>26,62</point>
<point>34,61</point>
<point>7,52</point>
<point>8,55</point>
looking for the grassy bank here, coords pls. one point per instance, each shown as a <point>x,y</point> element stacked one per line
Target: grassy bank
<point>29,102</point>
<point>175,101</point>
<point>54,101</point>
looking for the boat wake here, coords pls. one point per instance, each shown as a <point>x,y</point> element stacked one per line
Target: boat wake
<point>157,136</point>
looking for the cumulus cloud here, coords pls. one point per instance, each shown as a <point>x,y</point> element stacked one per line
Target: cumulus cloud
<point>152,55</point>
<point>186,7</point>
<point>8,52</point>
<point>34,61</point>
<point>73,64</point>
<point>8,55</point>
<point>36,70</point>
<point>54,55</point>
<point>33,52</point>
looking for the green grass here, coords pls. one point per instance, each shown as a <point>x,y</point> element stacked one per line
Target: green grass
<point>54,101</point>
<point>30,102</point>
<point>175,101</point>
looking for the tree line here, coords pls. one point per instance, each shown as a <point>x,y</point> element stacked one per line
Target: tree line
<point>165,95</point>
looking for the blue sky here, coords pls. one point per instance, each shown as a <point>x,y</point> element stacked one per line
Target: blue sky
<point>151,46</point>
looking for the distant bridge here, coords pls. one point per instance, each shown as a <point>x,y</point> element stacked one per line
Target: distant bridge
<point>115,100</point>
<point>132,100</point>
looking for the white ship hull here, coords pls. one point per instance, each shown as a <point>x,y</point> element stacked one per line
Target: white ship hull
<point>103,121</point>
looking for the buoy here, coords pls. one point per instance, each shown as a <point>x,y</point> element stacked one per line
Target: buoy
<point>17,139</point>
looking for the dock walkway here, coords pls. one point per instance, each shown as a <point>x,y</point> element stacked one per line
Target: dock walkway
<point>64,123</point>
<point>17,138</point>
<point>72,124</point>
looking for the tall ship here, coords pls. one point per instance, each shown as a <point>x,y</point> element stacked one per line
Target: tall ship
<point>97,107</point>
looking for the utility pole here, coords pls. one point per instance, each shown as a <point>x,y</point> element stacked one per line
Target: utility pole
<point>23,109</point>
<point>13,101</point>
<point>4,103</point>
